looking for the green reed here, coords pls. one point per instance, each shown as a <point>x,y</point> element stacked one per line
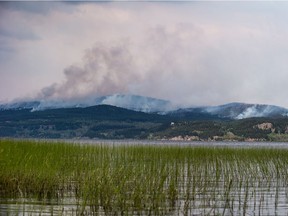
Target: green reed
<point>145,180</point>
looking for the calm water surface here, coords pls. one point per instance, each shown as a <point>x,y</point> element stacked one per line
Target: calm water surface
<point>251,198</point>
<point>230,144</point>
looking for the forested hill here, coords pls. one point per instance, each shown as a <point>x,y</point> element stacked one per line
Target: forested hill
<point>110,122</point>
<point>102,121</point>
<point>100,112</point>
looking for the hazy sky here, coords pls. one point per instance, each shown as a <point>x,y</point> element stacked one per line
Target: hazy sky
<point>192,53</point>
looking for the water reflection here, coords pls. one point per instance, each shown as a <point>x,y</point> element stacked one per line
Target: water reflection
<point>203,194</point>
<point>230,144</point>
<point>248,201</point>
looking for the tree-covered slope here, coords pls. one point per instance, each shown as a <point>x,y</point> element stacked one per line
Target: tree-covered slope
<point>110,122</point>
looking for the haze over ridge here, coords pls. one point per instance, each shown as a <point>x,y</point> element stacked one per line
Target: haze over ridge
<point>193,53</point>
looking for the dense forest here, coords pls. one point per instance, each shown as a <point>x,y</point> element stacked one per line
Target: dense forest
<point>109,122</point>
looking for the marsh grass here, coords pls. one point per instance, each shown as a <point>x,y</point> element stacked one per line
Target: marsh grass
<point>143,180</point>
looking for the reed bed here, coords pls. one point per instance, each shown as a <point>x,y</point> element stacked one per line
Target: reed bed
<point>74,179</point>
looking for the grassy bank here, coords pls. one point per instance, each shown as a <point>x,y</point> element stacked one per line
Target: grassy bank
<point>157,180</point>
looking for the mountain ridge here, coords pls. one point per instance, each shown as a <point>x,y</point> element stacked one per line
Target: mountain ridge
<point>132,102</point>
<point>233,110</point>
<point>111,122</point>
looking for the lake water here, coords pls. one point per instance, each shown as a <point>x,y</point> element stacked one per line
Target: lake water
<point>230,144</point>
<point>259,197</point>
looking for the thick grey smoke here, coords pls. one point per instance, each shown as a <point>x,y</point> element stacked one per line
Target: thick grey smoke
<point>195,53</point>
<point>105,70</point>
<point>183,64</point>
<point>159,65</point>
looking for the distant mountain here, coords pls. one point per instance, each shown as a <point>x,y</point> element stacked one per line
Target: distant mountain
<point>233,111</point>
<point>136,103</point>
<point>94,113</point>
<point>242,110</point>
<point>20,105</point>
<point>193,114</point>
<point>153,105</point>
<point>101,121</point>
<point>111,122</point>
<point>132,102</point>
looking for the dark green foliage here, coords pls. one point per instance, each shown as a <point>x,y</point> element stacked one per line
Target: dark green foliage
<point>109,122</point>
<point>94,122</point>
<point>196,114</point>
<point>246,128</point>
<point>7,131</point>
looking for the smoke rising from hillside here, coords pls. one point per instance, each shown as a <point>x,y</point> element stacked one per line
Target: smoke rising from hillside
<point>105,70</point>
<point>182,63</point>
<point>158,65</point>
<point>194,53</point>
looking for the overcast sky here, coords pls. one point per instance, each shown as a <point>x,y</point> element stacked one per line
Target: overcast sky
<point>191,53</point>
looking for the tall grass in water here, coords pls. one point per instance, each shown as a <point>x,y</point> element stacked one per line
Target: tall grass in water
<point>145,180</point>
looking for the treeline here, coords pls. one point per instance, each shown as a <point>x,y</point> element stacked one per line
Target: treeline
<point>245,129</point>
<point>108,122</point>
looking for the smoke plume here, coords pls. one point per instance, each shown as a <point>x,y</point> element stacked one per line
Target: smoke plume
<point>105,70</point>
<point>192,54</point>
<point>158,65</point>
<point>183,64</point>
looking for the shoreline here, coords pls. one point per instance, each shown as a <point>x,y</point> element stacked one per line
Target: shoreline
<point>181,143</point>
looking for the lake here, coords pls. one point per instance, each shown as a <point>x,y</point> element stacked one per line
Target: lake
<point>143,178</point>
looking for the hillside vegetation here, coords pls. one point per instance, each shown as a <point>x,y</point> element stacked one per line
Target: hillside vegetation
<point>108,179</point>
<point>109,122</point>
